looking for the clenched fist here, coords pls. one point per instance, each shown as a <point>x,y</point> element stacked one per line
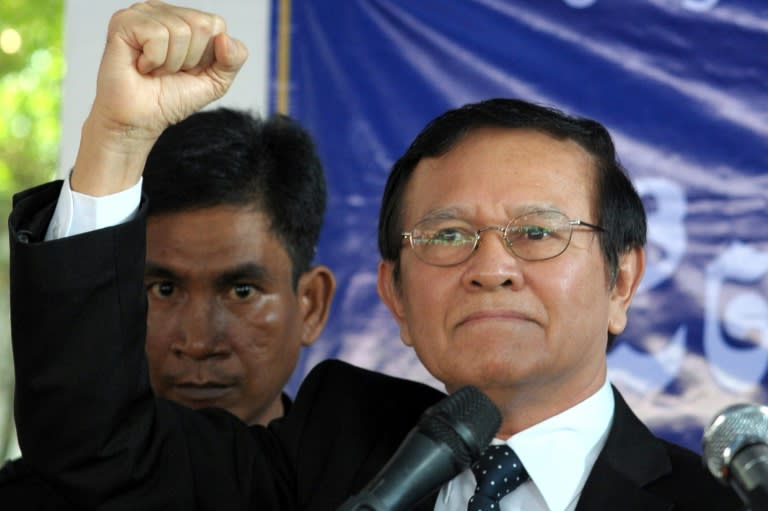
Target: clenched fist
<point>161,63</point>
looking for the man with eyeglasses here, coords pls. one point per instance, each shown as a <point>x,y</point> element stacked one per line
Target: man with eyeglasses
<point>512,245</point>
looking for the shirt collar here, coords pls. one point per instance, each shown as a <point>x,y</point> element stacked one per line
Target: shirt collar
<point>559,452</point>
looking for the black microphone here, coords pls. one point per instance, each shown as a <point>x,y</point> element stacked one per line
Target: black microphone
<point>736,452</point>
<point>449,436</point>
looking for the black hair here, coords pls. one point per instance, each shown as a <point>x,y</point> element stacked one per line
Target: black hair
<point>233,157</point>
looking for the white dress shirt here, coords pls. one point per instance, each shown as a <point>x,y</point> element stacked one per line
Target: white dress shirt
<point>558,454</point>
<point>77,213</point>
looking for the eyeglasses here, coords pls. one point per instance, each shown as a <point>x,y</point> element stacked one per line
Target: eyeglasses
<point>534,236</point>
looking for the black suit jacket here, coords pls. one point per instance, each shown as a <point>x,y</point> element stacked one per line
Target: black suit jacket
<point>89,424</point>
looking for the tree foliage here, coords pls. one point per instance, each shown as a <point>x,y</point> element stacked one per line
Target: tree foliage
<point>30,95</point>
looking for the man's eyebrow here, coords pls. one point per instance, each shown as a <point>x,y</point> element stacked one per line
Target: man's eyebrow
<point>442,213</point>
<point>245,271</point>
<point>152,269</point>
<point>454,212</point>
<point>532,208</point>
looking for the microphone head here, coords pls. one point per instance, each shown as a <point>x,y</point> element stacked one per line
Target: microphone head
<point>465,421</point>
<point>734,428</point>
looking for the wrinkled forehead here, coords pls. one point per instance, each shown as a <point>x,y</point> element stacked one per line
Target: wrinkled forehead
<point>502,172</point>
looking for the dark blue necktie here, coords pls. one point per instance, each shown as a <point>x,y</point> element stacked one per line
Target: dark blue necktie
<point>498,472</point>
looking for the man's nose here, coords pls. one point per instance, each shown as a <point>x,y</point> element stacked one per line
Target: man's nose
<point>202,332</point>
<point>493,265</point>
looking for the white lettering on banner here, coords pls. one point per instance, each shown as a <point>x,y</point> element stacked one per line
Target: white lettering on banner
<point>647,373</point>
<point>666,228</point>
<point>744,318</point>
<point>691,5</point>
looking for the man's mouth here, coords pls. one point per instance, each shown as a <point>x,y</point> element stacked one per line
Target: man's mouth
<point>493,315</point>
<point>201,392</point>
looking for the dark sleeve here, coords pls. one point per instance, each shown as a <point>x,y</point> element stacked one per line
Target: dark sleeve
<point>87,420</point>
<point>345,424</point>
<point>22,490</point>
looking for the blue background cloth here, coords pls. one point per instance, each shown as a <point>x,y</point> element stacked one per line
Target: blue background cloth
<point>681,84</point>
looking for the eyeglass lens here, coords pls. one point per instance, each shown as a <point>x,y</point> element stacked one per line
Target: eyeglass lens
<point>533,236</point>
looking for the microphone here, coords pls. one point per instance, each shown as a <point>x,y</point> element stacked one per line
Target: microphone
<point>449,436</point>
<point>736,452</point>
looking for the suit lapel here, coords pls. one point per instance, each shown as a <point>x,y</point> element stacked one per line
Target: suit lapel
<point>631,459</point>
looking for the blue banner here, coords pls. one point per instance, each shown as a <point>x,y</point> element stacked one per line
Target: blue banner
<point>681,84</point>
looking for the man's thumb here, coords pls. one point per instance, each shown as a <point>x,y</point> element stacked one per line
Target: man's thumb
<point>230,55</point>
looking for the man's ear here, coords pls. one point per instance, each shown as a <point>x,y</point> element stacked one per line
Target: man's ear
<point>630,271</point>
<point>389,292</point>
<point>315,290</point>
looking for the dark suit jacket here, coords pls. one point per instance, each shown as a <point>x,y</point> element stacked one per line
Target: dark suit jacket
<point>24,490</point>
<point>89,424</point>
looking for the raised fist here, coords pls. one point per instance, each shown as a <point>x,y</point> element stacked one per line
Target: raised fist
<point>161,63</point>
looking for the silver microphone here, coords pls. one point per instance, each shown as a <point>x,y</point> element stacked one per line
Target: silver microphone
<point>736,452</point>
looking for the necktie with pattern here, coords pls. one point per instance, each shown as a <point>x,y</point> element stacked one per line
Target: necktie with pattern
<point>498,472</point>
